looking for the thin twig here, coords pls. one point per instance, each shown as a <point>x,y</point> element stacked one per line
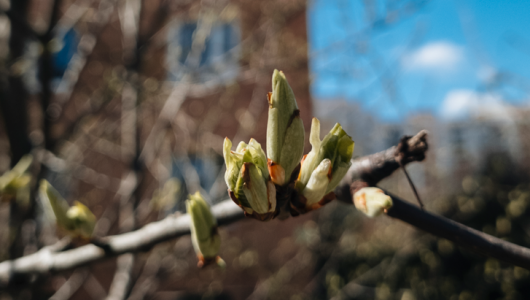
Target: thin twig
<point>403,151</point>
<point>413,187</point>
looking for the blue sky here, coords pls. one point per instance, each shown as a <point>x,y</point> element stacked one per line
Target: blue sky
<point>442,57</point>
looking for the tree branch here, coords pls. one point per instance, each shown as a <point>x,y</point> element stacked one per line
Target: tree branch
<point>460,234</point>
<point>226,212</point>
<point>369,170</point>
<point>45,261</point>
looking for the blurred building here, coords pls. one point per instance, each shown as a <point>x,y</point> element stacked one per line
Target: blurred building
<point>165,82</point>
<point>208,62</point>
<point>457,147</point>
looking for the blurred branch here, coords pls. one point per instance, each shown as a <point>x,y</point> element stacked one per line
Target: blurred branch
<point>351,289</point>
<point>122,278</point>
<point>148,281</point>
<point>68,289</point>
<point>121,282</point>
<point>72,15</point>
<point>129,15</point>
<point>265,289</point>
<point>46,68</point>
<point>94,288</point>
<point>81,172</point>
<point>13,94</point>
<point>87,42</point>
<point>13,110</point>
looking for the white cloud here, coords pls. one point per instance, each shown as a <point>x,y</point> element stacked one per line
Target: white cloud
<point>460,104</point>
<point>438,56</point>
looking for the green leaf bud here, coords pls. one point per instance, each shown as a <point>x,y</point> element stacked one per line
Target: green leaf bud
<point>337,148</point>
<point>82,219</point>
<point>77,221</point>
<point>15,183</point>
<point>285,130</point>
<point>204,236</point>
<point>247,177</point>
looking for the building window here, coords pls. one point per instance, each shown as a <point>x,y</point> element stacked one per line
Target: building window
<point>219,53</point>
<point>67,49</point>
<point>196,169</point>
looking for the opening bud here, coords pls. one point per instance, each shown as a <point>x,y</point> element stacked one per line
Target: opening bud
<point>318,183</point>
<point>372,201</point>
<point>83,220</point>
<point>248,180</point>
<point>325,165</point>
<point>78,221</point>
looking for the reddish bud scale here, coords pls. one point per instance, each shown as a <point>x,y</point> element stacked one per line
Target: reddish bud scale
<point>301,163</point>
<point>276,172</point>
<point>261,217</point>
<point>204,262</point>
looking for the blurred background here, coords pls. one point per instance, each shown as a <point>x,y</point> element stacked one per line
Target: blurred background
<point>124,105</point>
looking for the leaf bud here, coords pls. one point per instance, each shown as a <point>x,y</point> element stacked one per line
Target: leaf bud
<point>247,178</point>
<point>78,221</point>
<point>285,131</point>
<point>15,183</point>
<point>204,235</point>
<point>372,201</point>
<point>82,219</point>
<point>324,166</point>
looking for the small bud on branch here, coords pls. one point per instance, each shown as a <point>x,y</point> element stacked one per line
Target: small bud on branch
<point>248,179</point>
<point>372,201</point>
<point>15,183</point>
<point>78,221</point>
<point>203,227</point>
<point>324,166</point>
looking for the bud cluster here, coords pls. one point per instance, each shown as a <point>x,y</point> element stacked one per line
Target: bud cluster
<point>262,185</point>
